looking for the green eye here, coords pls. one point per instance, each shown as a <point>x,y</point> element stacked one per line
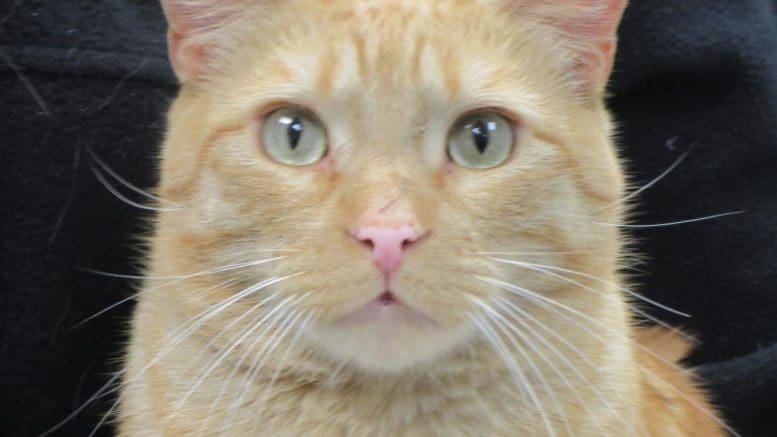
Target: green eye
<point>481,140</point>
<point>293,136</point>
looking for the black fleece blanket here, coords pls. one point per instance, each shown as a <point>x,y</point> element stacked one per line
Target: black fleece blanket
<point>80,77</point>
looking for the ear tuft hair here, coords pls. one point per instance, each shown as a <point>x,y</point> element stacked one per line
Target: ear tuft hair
<point>587,29</point>
<point>192,25</point>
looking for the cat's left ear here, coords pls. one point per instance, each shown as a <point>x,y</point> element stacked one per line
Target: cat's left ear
<point>588,30</point>
<point>193,27</point>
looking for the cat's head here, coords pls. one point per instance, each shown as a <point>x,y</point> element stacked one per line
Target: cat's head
<point>388,159</point>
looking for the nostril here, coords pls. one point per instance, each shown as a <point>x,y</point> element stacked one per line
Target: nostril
<point>414,239</point>
<point>387,244</point>
<point>367,241</point>
<point>377,237</point>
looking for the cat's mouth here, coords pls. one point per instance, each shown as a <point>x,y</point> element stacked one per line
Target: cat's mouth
<point>387,298</point>
<point>386,309</point>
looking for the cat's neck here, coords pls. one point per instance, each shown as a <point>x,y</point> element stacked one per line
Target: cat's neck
<point>470,389</point>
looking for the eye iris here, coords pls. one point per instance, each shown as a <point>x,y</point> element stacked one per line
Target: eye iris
<point>293,136</point>
<point>294,132</point>
<point>480,135</point>
<point>481,140</point>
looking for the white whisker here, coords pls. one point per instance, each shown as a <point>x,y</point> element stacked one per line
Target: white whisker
<point>642,313</point>
<point>281,362</point>
<point>519,315</point>
<point>220,357</point>
<point>121,180</point>
<point>229,326</point>
<point>187,276</point>
<point>546,269</point>
<point>100,393</point>
<point>175,280</point>
<point>268,320</point>
<point>527,253</point>
<point>105,183</point>
<point>105,417</point>
<point>259,361</point>
<point>533,297</point>
<point>179,335</point>
<point>500,322</point>
<point>335,375</point>
<point>663,225</point>
<point>515,371</point>
<point>136,295</point>
<point>538,299</point>
<point>656,180</point>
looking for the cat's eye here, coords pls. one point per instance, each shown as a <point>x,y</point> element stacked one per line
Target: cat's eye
<point>481,140</point>
<point>293,136</point>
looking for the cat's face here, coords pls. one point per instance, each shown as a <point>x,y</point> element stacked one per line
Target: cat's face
<point>385,153</point>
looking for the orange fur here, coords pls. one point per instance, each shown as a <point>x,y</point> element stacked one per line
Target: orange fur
<point>671,398</point>
<point>388,79</point>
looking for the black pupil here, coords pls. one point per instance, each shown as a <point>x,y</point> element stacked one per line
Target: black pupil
<point>480,135</point>
<point>294,132</point>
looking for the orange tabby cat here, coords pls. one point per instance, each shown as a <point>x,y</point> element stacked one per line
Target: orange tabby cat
<point>394,217</point>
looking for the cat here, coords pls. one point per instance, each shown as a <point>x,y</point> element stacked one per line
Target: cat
<point>395,217</point>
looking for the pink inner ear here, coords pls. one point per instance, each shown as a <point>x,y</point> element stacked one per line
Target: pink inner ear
<point>591,26</point>
<point>188,19</point>
<point>594,66</point>
<point>596,17</point>
<point>186,57</point>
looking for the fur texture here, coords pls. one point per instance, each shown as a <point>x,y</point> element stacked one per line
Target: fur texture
<point>520,322</point>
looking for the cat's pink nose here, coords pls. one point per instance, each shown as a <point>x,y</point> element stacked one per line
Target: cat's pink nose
<point>387,244</point>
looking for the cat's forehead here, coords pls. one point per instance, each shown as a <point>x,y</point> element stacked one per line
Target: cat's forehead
<point>386,64</point>
<point>424,9</point>
<point>381,43</point>
<point>409,55</point>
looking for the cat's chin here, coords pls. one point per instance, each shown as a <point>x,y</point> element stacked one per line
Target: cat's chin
<point>387,335</point>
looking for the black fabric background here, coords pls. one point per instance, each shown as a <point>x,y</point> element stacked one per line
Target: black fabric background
<point>85,75</point>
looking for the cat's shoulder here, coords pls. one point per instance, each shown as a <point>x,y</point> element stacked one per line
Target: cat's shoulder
<point>674,401</point>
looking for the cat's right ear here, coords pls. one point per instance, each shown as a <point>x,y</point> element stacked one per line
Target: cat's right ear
<point>587,29</point>
<point>192,31</point>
